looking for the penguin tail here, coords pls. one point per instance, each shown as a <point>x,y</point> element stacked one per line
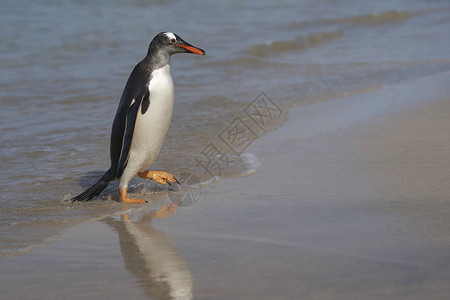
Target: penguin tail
<point>96,189</point>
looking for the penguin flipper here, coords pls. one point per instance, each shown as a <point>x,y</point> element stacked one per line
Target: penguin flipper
<point>130,124</point>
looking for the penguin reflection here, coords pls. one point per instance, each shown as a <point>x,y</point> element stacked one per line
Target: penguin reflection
<point>151,256</point>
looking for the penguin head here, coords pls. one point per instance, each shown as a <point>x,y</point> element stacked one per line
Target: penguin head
<point>171,44</point>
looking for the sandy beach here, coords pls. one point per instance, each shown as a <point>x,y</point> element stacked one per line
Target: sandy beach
<point>350,202</point>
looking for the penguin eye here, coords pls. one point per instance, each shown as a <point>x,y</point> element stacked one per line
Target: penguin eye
<point>172,40</point>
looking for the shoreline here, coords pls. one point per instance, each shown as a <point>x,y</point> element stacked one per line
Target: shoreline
<point>336,210</point>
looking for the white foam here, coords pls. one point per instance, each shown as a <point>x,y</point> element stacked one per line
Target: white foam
<point>67,198</point>
<point>251,163</point>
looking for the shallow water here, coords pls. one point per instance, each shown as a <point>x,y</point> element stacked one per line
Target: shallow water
<point>64,66</point>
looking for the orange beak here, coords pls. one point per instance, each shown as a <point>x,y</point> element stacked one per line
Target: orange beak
<point>193,49</point>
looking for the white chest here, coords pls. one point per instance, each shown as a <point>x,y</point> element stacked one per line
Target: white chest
<point>161,86</point>
<point>151,127</point>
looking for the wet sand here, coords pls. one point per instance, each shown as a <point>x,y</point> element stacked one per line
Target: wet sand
<point>351,201</point>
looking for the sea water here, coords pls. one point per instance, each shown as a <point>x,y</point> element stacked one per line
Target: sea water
<point>64,64</point>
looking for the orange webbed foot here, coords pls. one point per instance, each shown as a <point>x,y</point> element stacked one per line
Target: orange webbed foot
<point>124,198</point>
<point>159,176</point>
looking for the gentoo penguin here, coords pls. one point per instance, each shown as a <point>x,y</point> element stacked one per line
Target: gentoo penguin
<point>142,119</point>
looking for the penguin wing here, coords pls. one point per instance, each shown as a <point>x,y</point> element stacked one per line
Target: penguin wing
<point>123,129</point>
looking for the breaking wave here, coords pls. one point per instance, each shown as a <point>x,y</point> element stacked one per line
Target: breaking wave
<point>298,43</point>
<point>381,17</point>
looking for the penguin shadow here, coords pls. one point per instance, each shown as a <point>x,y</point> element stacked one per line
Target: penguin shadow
<point>151,257</point>
<point>91,177</point>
